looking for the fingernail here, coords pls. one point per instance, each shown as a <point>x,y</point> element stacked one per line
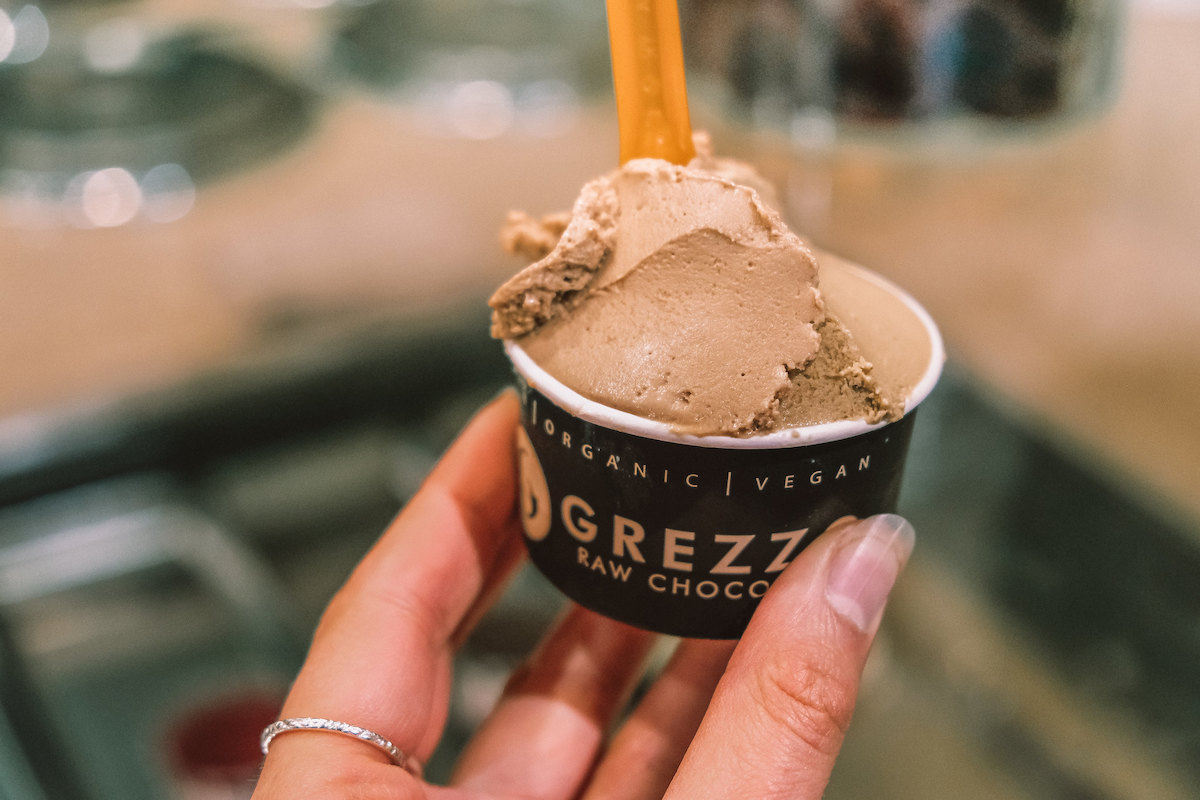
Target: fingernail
<point>863,572</point>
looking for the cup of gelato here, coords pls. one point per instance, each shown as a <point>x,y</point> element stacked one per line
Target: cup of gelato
<point>702,395</point>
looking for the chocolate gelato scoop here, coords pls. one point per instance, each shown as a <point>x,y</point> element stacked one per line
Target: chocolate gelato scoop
<point>678,294</point>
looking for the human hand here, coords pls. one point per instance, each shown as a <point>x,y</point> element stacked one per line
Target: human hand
<point>761,718</point>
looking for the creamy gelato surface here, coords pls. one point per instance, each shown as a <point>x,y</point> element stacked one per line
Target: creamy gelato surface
<point>677,294</point>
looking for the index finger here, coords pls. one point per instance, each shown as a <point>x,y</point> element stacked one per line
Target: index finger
<point>381,654</point>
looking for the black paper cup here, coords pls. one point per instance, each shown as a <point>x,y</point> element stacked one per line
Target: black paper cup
<point>684,534</point>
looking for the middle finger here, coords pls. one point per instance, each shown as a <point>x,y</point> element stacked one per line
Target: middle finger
<point>647,749</point>
<point>542,738</point>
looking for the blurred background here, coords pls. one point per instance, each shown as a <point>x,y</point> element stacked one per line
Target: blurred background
<point>245,248</point>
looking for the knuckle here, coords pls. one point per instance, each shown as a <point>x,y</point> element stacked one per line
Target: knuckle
<point>809,697</point>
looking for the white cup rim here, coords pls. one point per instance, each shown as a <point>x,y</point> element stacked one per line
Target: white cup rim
<point>608,417</point>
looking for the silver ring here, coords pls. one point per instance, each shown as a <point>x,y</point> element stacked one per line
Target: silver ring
<point>398,756</point>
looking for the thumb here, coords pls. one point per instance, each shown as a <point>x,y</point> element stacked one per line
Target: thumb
<point>778,717</point>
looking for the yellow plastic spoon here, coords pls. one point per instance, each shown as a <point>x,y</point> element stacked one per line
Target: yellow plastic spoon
<point>648,79</point>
